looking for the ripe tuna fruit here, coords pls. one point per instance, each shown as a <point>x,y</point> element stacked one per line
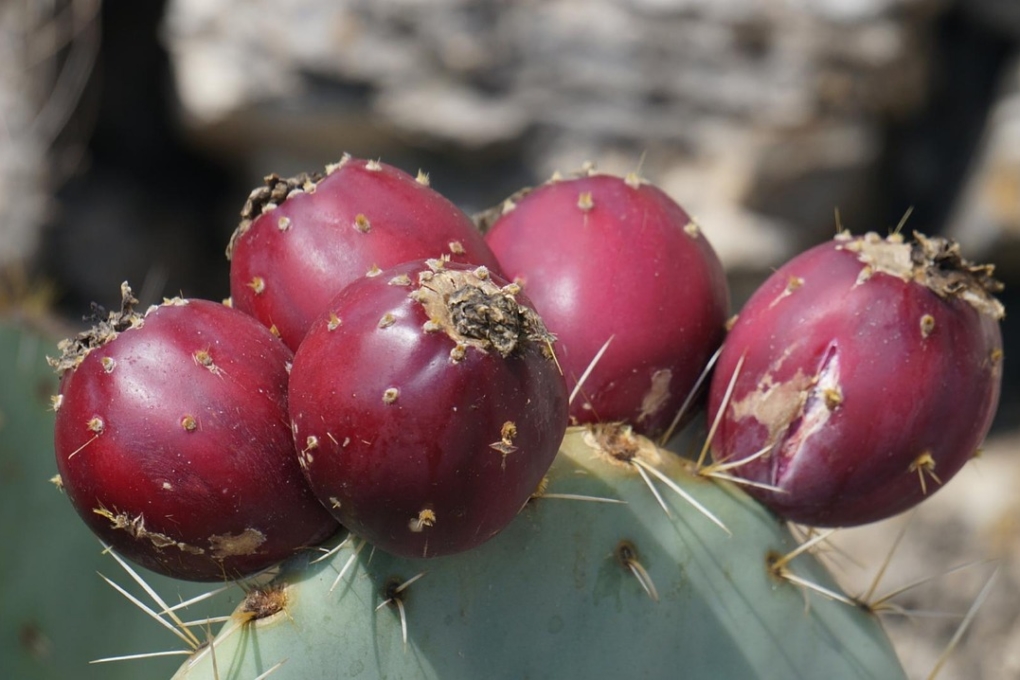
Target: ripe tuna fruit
<point>427,405</point>
<point>172,441</point>
<point>867,372</point>
<point>301,240</point>
<point>614,264</point>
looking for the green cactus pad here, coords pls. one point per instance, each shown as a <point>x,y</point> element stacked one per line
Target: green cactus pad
<point>574,588</point>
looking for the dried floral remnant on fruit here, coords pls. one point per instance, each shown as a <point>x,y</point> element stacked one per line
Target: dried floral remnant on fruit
<point>934,262</point>
<point>475,312</point>
<point>263,199</point>
<point>74,350</point>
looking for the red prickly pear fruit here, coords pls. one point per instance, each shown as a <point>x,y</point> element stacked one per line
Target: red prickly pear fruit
<point>302,240</point>
<point>427,406</point>
<point>173,445</point>
<point>865,372</point>
<point>603,258</point>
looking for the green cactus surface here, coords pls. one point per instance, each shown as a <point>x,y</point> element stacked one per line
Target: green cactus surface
<point>56,613</point>
<point>599,576</point>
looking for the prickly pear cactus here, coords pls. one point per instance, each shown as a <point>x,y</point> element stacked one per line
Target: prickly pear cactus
<point>629,563</point>
<point>56,614</point>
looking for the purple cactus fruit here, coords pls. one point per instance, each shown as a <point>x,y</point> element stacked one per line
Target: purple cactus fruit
<point>865,372</point>
<point>172,441</point>
<point>611,259</point>
<point>301,240</point>
<point>427,406</point>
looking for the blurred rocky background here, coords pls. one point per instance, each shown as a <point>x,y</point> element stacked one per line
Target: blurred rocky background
<point>131,133</point>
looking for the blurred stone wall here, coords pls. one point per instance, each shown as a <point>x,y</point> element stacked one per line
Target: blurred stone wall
<point>730,105</point>
<point>46,54</point>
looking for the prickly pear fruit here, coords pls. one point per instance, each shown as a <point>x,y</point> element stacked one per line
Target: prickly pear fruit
<point>50,559</point>
<point>614,264</point>
<point>859,378</point>
<point>301,240</point>
<point>172,441</point>
<point>573,588</point>
<point>427,405</point>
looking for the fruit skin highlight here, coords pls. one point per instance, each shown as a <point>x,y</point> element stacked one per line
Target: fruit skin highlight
<point>869,369</point>
<point>611,259</point>
<point>426,406</point>
<point>302,240</point>
<point>173,445</point>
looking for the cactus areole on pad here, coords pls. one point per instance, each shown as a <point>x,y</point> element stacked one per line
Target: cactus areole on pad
<point>172,441</point>
<point>859,378</point>
<point>426,406</point>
